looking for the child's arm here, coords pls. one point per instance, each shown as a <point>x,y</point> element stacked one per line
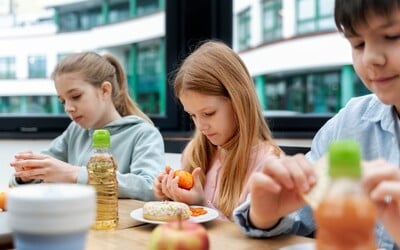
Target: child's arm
<point>275,194</point>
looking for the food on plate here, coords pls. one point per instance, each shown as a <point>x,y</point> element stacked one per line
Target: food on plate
<point>197,211</point>
<point>315,195</point>
<point>185,179</point>
<point>3,199</point>
<point>166,210</point>
<point>183,235</point>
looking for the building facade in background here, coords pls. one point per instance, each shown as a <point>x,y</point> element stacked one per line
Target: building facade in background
<point>298,60</point>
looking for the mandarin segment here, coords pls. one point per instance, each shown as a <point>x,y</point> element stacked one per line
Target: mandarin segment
<point>185,179</point>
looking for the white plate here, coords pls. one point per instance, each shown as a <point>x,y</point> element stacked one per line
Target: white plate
<point>5,231</point>
<point>211,214</point>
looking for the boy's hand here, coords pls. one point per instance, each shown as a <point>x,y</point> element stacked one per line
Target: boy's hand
<point>275,190</point>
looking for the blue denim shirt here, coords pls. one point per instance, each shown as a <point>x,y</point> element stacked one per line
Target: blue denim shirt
<point>365,119</point>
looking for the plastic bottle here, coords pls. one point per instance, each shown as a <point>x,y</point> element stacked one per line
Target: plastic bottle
<point>345,218</point>
<point>102,175</point>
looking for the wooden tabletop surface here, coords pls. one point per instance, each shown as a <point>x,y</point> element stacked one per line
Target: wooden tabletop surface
<point>132,234</point>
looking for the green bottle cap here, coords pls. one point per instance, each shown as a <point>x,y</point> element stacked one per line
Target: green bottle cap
<point>101,138</point>
<point>345,159</point>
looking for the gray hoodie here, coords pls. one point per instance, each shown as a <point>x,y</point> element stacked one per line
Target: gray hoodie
<point>136,145</point>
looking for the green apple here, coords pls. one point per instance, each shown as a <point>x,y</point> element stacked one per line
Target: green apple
<point>179,235</point>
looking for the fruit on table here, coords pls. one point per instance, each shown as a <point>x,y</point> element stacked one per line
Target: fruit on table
<point>3,198</point>
<point>182,235</point>
<point>185,179</point>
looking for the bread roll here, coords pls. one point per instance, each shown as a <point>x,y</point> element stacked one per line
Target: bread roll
<point>165,210</point>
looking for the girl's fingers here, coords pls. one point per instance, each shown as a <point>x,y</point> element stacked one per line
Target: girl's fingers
<point>196,176</point>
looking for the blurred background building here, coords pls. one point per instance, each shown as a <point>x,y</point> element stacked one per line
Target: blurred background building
<point>299,62</point>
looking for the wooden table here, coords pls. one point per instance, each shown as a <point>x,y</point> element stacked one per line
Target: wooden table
<point>132,234</point>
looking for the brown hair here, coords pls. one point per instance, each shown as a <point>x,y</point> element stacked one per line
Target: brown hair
<point>351,13</point>
<point>215,69</point>
<point>97,69</point>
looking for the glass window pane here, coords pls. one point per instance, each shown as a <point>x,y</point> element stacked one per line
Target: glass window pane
<point>272,20</point>
<point>244,29</point>
<point>326,7</point>
<point>69,21</point>
<point>305,93</point>
<point>119,12</point>
<point>148,74</point>
<point>146,6</point>
<point>7,68</point>
<point>90,18</point>
<point>326,24</point>
<point>37,66</point>
<point>306,9</point>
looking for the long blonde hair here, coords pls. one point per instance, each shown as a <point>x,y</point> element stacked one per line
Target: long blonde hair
<point>215,69</point>
<point>97,69</point>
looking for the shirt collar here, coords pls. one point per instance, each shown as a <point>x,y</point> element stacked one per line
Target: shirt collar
<point>380,112</point>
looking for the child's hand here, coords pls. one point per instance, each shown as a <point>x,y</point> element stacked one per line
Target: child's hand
<point>194,196</point>
<point>382,181</point>
<point>30,166</point>
<point>157,184</point>
<point>275,190</point>
<point>21,168</point>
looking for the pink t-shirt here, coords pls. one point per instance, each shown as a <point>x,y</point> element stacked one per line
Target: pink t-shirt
<point>259,156</point>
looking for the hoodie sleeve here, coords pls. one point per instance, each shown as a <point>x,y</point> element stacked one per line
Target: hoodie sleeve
<point>56,149</point>
<point>147,161</point>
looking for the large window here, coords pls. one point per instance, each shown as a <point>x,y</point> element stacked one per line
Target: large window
<point>7,68</point>
<point>147,6</point>
<point>150,77</point>
<point>119,12</point>
<point>69,21</point>
<point>29,105</point>
<point>272,20</point>
<point>37,66</point>
<point>318,92</point>
<point>244,33</point>
<point>314,15</point>
<point>91,18</point>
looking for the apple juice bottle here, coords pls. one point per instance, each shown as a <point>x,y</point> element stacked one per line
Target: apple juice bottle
<point>102,175</point>
<point>345,218</point>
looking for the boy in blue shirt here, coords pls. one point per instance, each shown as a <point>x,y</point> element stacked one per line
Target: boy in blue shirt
<point>275,206</point>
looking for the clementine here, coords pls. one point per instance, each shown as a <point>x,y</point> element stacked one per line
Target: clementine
<point>185,179</point>
<point>3,198</point>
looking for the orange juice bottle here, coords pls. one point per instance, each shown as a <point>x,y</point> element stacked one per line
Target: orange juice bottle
<point>345,218</point>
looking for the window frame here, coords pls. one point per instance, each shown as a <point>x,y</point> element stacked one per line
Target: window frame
<point>315,20</point>
<point>275,6</point>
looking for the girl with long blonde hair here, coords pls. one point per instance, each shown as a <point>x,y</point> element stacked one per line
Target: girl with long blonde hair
<point>231,139</point>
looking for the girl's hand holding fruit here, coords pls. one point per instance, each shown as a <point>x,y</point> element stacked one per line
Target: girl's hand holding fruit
<point>180,185</point>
